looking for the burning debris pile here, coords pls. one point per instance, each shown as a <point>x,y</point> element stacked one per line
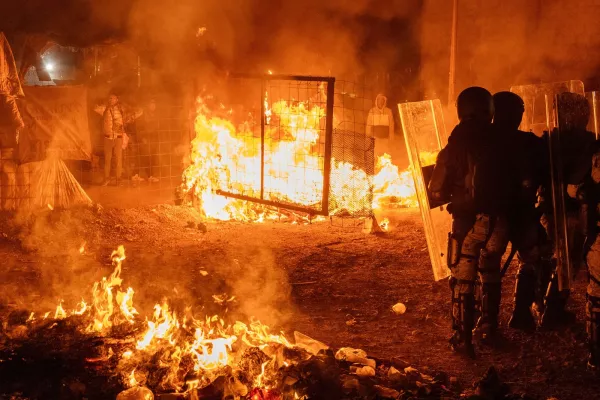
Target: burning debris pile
<point>228,158</point>
<point>104,347</point>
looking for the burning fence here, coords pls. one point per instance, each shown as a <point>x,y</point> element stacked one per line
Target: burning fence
<point>105,342</point>
<point>276,155</point>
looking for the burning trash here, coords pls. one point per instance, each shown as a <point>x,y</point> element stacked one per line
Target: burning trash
<point>105,342</point>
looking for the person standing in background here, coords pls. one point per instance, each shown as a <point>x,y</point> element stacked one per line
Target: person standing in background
<point>113,127</point>
<point>380,126</point>
<point>114,119</point>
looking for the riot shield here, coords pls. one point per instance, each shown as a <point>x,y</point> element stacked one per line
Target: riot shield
<point>541,117</point>
<point>539,103</point>
<point>425,135</point>
<point>593,99</point>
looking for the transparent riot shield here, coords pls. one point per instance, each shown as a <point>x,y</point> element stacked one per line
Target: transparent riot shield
<point>425,135</point>
<point>539,103</point>
<point>593,99</point>
<point>541,117</point>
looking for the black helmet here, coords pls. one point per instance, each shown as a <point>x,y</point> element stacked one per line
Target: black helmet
<point>573,111</point>
<point>475,103</point>
<point>508,109</point>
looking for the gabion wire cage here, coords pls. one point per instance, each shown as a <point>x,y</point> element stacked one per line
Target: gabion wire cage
<point>353,152</point>
<point>283,156</point>
<point>303,145</point>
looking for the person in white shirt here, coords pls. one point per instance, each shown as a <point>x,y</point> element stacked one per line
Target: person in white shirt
<point>380,125</point>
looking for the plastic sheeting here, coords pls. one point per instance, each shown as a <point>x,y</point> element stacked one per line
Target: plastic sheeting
<point>56,122</point>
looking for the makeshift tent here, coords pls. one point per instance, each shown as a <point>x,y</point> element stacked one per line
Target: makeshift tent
<point>53,127</point>
<point>56,129</point>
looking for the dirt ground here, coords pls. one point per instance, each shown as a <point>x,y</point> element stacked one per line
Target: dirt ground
<point>328,280</point>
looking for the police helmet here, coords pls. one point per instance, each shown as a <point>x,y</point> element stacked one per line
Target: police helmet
<point>508,109</point>
<point>475,103</point>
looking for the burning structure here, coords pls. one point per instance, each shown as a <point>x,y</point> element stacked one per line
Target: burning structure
<point>300,150</point>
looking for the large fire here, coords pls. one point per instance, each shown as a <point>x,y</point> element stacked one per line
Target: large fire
<point>227,158</point>
<point>190,351</point>
<point>173,350</point>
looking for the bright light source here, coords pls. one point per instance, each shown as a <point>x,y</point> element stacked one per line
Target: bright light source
<point>49,66</point>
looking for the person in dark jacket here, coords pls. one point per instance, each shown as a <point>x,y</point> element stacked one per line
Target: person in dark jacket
<point>591,188</point>
<point>474,174</point>
<point>575,154</point>
<point>526,232</point>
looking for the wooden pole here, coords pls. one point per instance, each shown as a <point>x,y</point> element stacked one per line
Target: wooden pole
<point>95,61</point>
<point>139,72</point>
<point>452,73</point>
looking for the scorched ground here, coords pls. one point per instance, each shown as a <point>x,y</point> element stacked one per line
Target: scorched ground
<point>334,284</point>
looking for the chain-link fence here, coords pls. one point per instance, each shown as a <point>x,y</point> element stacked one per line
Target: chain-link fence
<point>352,151</point>
<point>147,168</point>
<point>279,152</point>
<point>300,144</point>
<point>291,142</point>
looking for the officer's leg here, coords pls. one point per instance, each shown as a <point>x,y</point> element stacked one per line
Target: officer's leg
<point>593,305</point>
<point>544,271</point>
<point>525,288</point>
<point>462,284</point>
<point>555,302</point>
<point>489,270</point>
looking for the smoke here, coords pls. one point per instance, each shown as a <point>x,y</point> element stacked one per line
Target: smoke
<point>51,267</point>
<point>506,43</point>
<point>260,286</point>
<point>310,37</point>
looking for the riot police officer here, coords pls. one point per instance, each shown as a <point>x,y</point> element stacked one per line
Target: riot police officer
<point>472,172</point>
<point>526,232</point>
<point>592,198</point>
<point>572,158</point>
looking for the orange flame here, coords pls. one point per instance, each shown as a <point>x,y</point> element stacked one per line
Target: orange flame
<point>208,342</point>
<point>223,158</point>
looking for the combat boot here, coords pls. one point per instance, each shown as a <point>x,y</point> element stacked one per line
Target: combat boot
<point>592,325</point>
<point>487,326</point>
<point>555,302</point>
<point>524,297</point>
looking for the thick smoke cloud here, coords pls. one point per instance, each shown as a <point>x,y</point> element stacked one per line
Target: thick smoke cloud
<point>510,42</point>
<point>309,37</point>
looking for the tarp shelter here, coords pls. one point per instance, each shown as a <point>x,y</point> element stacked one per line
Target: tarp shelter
<point>56,123</point>
<point>56,129</point>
